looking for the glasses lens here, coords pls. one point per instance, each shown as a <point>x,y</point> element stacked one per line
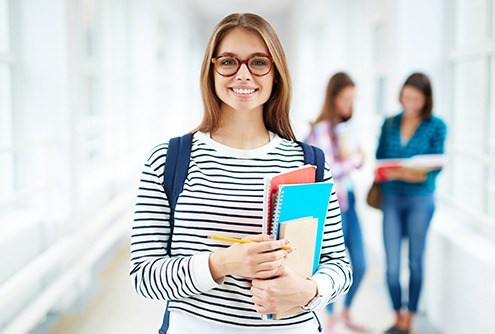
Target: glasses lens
<point>226,65</point>
<point>259,65</point>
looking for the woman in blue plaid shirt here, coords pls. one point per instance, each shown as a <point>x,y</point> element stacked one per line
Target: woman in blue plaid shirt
<point>408,202</point>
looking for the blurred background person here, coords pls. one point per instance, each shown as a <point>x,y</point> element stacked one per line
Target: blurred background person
<point>333,133</point>
<point>408,202</point>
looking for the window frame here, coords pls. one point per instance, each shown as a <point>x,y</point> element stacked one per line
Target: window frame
<point>456,55</point>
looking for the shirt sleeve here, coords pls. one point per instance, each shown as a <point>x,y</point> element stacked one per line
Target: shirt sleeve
<point>334,275</point>
<point>153,272</point>
<point>437,143</point>
<point>438,139</point>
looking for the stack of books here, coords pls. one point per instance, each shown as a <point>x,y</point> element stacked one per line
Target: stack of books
<point>295,209</point>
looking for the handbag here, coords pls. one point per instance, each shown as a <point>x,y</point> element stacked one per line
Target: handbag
<point>374,196</point>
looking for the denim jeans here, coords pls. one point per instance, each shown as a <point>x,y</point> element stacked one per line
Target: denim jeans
<point>406,217</point>
<point>354,245</point>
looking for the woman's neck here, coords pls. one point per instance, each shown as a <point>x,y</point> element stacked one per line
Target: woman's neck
<point>412,116</point>
<point>242,130</point>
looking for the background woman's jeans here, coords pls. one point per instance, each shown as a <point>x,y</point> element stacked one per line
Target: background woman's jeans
<point>354,246</point>
<point>408,217</point>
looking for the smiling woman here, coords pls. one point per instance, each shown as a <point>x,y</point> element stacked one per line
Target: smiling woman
<point>245,136</point>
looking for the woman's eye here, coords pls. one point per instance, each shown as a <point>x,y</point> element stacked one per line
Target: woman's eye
<point>258,62</point>
<point>228,62</point>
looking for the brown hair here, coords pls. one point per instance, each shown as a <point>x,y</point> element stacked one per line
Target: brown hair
<point>336,84</point>
<point>421,82</point>
<point>276,109</point>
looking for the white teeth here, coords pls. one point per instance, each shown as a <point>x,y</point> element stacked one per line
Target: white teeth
<point>243,91</point>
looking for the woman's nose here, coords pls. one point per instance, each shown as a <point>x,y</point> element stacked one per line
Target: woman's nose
<point>243,73</point>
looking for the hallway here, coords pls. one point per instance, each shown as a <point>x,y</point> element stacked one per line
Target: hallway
<point>89,87</point>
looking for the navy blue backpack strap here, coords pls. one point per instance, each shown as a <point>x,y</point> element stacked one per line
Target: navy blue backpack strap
<point>314,156</point>
<point>176,167</point>
<point>175,174</point>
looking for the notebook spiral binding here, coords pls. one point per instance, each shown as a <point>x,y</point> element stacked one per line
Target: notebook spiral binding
<point>277,200</point>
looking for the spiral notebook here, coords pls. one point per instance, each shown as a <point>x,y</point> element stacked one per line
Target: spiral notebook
<point>303,174</point>
<point>293,201</point>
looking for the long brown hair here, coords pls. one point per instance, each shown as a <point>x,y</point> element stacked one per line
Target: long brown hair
<point>421,82</point>
<point>336,84</point>
<point>276,109</point>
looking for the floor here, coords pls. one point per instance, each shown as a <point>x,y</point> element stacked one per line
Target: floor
<point>114,307</point>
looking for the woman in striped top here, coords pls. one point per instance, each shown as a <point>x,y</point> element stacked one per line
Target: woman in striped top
<point>408,202</point>
<point>245,136</point>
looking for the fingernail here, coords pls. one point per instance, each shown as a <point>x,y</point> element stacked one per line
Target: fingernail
<point>287,242</point>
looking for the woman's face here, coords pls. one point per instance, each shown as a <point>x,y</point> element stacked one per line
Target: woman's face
<point>343,102</point>
<point>413,100</point>
<point>243,91</point>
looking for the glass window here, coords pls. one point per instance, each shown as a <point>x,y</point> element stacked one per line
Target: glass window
<point>491,140</point>
<point>469,98</point>
<point>491,192</point>
<point>492,19</point>
<point>469,186</point>
<point>6,122</point>
<point>6,133</point>
<point>491,113</point>
<point>471,22</point>
<point>4,26</point>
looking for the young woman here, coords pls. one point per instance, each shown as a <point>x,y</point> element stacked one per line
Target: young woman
<point>245,135</point>
<point>408,202</point>
<point>332,133</point>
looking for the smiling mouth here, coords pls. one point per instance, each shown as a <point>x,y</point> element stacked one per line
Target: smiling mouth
<point>243,91</point>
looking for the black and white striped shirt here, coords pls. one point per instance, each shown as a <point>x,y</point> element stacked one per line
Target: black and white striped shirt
<point>223,194</point>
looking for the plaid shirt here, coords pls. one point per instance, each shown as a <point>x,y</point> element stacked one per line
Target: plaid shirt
<point>323,135</point>
<point>429,138</point>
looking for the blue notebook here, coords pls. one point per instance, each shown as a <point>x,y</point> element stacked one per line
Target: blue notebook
<point>303,200</point>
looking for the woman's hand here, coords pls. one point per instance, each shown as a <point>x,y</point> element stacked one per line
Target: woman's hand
<point>260,259</point>
<point>283,292</point>
<point>406,174</point>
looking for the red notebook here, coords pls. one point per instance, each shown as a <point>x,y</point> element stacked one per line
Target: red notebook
<point>303,174</point>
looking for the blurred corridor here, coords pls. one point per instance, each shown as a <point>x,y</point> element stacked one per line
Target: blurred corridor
<point>88,87</point>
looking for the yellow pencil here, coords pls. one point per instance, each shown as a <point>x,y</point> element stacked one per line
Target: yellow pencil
<point>241,241</point>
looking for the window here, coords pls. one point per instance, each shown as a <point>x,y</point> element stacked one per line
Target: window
<point>469,102</point>
<point>472,121</point>
<point>4,26</point>
<point>7,175</point>
<point>6,133</point>
<point>101,98</point>
<point>471,22</point>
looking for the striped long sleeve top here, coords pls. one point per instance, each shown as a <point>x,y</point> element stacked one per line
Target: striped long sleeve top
<point>223,194</point>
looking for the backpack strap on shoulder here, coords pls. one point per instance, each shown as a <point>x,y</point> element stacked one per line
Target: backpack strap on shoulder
<point>175,174</point>
<point>314,156</point>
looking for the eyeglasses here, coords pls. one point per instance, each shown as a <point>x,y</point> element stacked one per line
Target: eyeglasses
<point>227,66</point>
